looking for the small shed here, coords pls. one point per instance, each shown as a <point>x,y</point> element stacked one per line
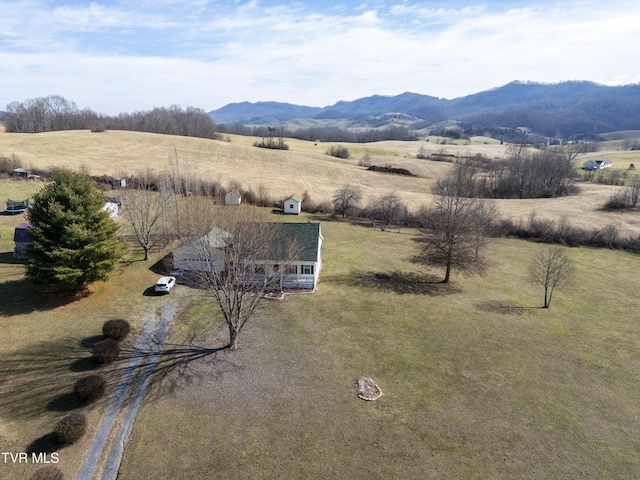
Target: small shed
<point>119,182</point>
<point>20,173</point>
<point>112,208</point>
<point>233,197</point>
<point>293,205</point>
<point>22,240</point>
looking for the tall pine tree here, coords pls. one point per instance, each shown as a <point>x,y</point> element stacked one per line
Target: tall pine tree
<point>73,237</point>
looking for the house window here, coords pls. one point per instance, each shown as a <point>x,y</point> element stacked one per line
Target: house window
<point>291,269</point>
<point>259,269</point>
<point>276,267</point>
<point>291,206</point>
<point>307,269</point>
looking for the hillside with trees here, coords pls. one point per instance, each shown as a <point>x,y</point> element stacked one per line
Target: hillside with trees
<point>56,113</point>
<point>565,110</point>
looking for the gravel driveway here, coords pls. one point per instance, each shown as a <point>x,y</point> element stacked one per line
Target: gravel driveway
<point>102,460</point>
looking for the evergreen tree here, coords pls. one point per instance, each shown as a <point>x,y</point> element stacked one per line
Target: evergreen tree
<point>73,237</point>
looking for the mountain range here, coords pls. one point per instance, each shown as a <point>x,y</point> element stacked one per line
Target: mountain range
<point>565,109</point>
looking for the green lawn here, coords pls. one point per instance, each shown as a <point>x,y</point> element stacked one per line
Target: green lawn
<point>478,381</point>
<point>45,344</point>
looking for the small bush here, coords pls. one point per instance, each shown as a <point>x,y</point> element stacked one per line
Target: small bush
<point>106,351</point>
<point>47,473</point>
<point>90,388</point>
<point>621,200</point>
<point>71,428</point>
<point>339,151</point>
<point>117,329</point>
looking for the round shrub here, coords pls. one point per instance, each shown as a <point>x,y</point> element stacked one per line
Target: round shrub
<point>47,473</point>
<point>117,329</point>
<point>106,351</point>
<point>90,388</point>
<point>71,428</point>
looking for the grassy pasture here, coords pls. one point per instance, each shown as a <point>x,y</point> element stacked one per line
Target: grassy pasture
<point>478,381</point>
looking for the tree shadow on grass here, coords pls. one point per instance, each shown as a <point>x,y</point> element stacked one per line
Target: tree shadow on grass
<point>503,308</point>
<point>40,378</point>
<point>20,297</point>
<point>177,366</point>
<point>402,283</point>
<point>46,444</point>
<point>7,257</point>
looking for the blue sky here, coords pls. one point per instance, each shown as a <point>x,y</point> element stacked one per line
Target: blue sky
<point>123,56</point>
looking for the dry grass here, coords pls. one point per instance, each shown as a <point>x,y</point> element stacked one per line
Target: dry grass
<point>305,167</point>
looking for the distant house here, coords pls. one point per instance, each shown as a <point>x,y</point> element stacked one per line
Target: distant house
<point>596,164</point>
<point>301,272</point>
<point>22,240</point>
<point>119,182</point>
<point>20,173</point>
<point>233,197</point>
<point>293,205</point>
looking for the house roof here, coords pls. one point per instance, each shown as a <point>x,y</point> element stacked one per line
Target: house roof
<point>216,238</point>
<point>294,197</point>
<point>306,236</point>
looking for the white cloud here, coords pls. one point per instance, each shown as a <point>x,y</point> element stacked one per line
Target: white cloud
<point>134,55</point>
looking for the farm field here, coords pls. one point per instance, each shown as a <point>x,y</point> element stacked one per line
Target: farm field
<point>304,167</point>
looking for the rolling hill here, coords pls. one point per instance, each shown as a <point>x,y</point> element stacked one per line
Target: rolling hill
<point>305,167</point>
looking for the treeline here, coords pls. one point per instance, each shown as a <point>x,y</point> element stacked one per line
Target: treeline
<point>55,113</point>
<point>538,174</point>
<point>326,134</point>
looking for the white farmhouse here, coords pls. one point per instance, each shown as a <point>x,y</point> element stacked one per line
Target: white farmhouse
<point>300,272</point>
<point>596,164</point>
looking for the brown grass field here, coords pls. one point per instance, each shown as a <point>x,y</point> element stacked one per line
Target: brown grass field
<point>478,381</point>
<point>304,167</point>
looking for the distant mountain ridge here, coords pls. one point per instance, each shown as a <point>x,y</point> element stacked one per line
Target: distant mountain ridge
<point>566,109</point>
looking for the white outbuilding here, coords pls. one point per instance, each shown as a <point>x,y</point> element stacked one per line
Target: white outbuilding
<point>293,205</point>
<point>233,197</point>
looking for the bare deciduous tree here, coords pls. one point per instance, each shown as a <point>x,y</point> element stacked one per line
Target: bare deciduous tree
<point>456,227</point>
<point>346,199</point>
<point>387,208</point>
<point>551,267</point>
<point>143,207</point>
<point>238,264</point>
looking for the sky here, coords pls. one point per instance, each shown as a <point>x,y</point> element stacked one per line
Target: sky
<point>125,56</point>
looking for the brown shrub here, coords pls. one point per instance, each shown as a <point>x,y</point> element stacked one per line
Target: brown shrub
<point>47,473</point>
<point>106,351</point>
<point>90,388</point>
<point>117,329</point>
<point>71,428</point>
